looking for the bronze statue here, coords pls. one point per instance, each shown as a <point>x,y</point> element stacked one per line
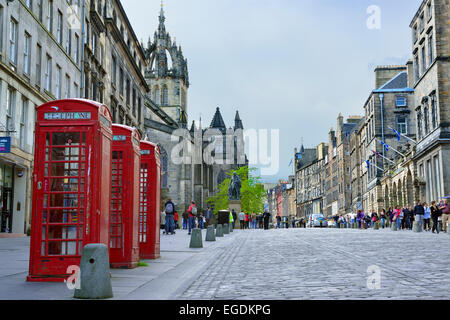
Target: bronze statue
<point>234,190</point>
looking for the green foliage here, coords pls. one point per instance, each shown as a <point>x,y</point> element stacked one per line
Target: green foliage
<point>253,194</point>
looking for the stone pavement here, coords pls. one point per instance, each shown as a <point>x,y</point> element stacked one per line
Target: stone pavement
<point>275,264</point>
<point>159,281</point>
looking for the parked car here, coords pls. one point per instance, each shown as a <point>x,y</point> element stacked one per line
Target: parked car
<point>317,221</point>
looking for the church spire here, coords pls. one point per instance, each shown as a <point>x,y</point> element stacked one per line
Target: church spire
<point>162,19</point>
<point>238,122</point>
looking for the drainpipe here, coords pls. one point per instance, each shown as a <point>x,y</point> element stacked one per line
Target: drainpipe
<point>382,123</point>
<point>83,39</point>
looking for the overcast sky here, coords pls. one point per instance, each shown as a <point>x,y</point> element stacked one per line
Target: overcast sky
<point>291,65</point>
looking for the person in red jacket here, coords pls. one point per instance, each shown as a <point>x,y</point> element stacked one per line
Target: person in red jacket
<point>246,220</point>
<point>175,219</point>
<point>192,215</point>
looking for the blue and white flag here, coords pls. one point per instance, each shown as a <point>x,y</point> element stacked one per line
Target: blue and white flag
<point>368,164</point>
<point>385,145</point>
<point>399,135</point>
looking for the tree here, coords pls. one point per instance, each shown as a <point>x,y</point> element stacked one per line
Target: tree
<point>253,194</point>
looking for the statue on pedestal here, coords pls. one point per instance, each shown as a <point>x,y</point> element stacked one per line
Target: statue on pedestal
<point>234,190</point>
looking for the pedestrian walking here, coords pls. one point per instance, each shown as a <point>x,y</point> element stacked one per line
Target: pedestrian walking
<point>185,220</point>
<point>169,209</point>
<point>359,219</point>
<point>266,218</point>
<point>419,213</point>
<point>278,222</point>
<point>234,218</point>
<point>242,220</point>
<point>208,216</point>
<point>383,218</point>
<point>426,217</point>
<point>400,216</point>
<point>231,219</point>
<point>246,220</point>
<point>192,214</point>
<point>435,214</point>
<point>445,208</point>
<point>175,219</point>
<point>254,221</point>
<point>200,218</point>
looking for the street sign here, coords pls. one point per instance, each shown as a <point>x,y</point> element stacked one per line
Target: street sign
<point>5,145</point>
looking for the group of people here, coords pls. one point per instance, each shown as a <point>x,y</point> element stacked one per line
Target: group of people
<point>433,217</point>
<point>250,221</point>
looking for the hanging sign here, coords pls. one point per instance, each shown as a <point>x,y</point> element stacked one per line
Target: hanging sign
<point>5,145</point>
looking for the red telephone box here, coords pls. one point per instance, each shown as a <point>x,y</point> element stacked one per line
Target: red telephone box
<point>71,185</point>
<point>124,223</point>
<point>150,201</point>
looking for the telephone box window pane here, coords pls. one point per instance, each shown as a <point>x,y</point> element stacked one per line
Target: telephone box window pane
<point>64,185</point>
<point>64,200</point>
<point>43,249</point>
<point>62,232</point>
<point>44,232</point>
<point>44,216</point>
<point>69,248</point>
<point>65,154</point>
<point>63,216</point>
<point>45,201</point>
<point>65,138</point>
<point>64,170</point>
<point>83,138</point>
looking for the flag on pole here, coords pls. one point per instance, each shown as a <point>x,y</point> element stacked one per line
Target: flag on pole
<point>290,163</point>
<point>368,164</point>
<point>399,135</point>
<point>385,145</point>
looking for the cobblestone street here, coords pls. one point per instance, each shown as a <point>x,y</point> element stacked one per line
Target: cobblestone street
<point>297,264</point>
<point>327,264</point>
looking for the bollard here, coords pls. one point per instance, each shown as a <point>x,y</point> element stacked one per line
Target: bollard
<point>219,231</point>
<point>231,227</point>
<point>95,279</point>
<point>226,229</point>
<point>210,234</point>
<point>394,226</point>
<point>196,239</point>
<point>448,229</point>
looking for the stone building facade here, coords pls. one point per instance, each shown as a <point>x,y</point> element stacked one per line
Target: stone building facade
<point>113,63</point>
<point>310,180</point>
<point>389,106</point>
<point>39,62</point>
<point>431,55</point>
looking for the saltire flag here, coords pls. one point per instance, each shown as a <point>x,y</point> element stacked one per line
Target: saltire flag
<point>385,145</point>
<point>368,164</point>
<point>399,135</point>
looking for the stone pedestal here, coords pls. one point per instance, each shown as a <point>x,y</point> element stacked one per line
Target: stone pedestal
<point>236,205</point>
